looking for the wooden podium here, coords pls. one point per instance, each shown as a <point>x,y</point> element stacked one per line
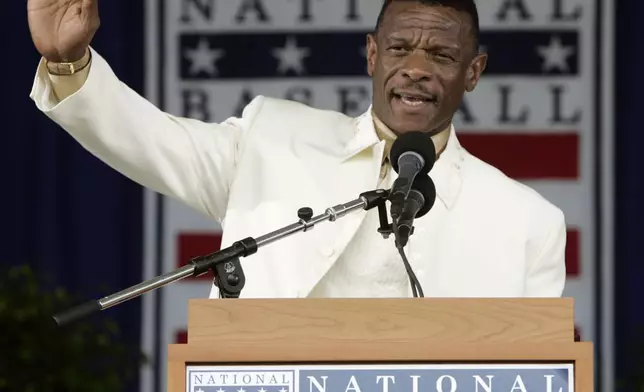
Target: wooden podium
<point>376,345</point>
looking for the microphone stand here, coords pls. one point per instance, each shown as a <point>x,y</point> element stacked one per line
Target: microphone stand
<point>225,264</point>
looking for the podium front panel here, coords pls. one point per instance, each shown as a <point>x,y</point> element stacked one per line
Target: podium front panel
<point>395,367</point>
<point>408,377</point>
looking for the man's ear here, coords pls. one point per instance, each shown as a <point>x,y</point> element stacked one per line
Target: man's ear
<point>474,71</point>
<point>372,53</point>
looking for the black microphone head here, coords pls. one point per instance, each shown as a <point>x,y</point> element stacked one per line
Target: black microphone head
<point>426,187</point>
<point>418,142</point>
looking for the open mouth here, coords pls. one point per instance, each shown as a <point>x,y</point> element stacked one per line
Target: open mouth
<point>414,99</point>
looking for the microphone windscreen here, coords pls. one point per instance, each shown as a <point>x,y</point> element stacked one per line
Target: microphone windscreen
<point>426,187</point>
<point>418,142</point>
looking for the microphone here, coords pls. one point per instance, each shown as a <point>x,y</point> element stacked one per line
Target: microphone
<point>412,154</point>
<point>420,200</point>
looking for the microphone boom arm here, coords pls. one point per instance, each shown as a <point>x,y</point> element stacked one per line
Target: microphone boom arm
<point>227,260</point>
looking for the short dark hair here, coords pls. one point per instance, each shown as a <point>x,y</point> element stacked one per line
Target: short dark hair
<point>466,6</point>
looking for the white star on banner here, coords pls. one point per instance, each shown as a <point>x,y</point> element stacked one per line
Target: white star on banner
<point>204,58</point>
<point>261,389</point>
<point>291,57</point>
<point>555,55</point>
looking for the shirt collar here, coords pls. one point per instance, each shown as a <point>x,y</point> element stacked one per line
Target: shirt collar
<point>388,136</point>
<point>446,173</point>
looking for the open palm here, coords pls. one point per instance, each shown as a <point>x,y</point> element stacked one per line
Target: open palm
<point>62,29</point>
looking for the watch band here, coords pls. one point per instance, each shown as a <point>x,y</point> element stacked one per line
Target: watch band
<point>69,68</point>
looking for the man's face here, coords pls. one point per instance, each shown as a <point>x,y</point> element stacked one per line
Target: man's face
<point>422,61</point>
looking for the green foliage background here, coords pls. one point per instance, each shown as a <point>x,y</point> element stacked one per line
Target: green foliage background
<point>37,355</point>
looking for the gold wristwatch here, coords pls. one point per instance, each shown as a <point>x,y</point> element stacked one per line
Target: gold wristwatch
<point>69,68</point>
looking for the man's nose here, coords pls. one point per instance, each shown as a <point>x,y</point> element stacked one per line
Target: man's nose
<point>417,67</point>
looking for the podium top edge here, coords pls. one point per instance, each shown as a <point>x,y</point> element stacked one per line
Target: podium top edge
<point>431,299</point>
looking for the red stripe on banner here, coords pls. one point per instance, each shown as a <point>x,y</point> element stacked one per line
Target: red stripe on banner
<point>191,245</point>
<point>573,251</point>
<point>181,337</point>
<point>527,156</point>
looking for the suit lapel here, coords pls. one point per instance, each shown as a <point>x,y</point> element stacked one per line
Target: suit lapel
<point>447,171</point>
<point>360,173</point>
<point>356,171</point>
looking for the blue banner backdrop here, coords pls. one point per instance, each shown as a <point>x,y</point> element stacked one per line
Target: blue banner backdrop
<point>68,214</point>
<point>629,185</point>
<point>63,211</point>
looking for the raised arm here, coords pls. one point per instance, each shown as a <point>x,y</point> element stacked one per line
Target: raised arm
<point>182,158</point>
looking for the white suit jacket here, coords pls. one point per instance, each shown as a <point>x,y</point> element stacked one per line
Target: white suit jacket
<point>494,236</point>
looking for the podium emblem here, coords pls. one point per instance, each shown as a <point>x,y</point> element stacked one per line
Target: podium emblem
<point>217,379</point>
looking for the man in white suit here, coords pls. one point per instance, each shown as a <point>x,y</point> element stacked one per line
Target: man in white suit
<point>486,235</point>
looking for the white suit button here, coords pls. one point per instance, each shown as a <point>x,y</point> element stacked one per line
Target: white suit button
<point>327,251</point>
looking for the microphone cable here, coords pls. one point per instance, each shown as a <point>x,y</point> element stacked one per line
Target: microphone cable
<point>416,288</point>
<point>421,199</point>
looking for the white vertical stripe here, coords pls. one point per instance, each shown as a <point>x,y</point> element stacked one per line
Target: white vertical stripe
<point>148,305</point>
<point>608,203</point>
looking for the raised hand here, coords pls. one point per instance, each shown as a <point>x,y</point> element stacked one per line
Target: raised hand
<point>62,29</point>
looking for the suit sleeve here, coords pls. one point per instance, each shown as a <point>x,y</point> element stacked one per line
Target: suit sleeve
<point>547,269</point>
<point>185,159</point>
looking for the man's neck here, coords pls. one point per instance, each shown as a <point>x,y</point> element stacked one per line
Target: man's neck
<point>385,133</point>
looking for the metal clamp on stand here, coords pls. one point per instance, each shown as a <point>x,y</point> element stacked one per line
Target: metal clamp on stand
<point>229,278</point>
<point>386,228</point>
<point>375,199</point>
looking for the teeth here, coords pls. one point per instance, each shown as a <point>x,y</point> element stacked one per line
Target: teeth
<point>411,101</point>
